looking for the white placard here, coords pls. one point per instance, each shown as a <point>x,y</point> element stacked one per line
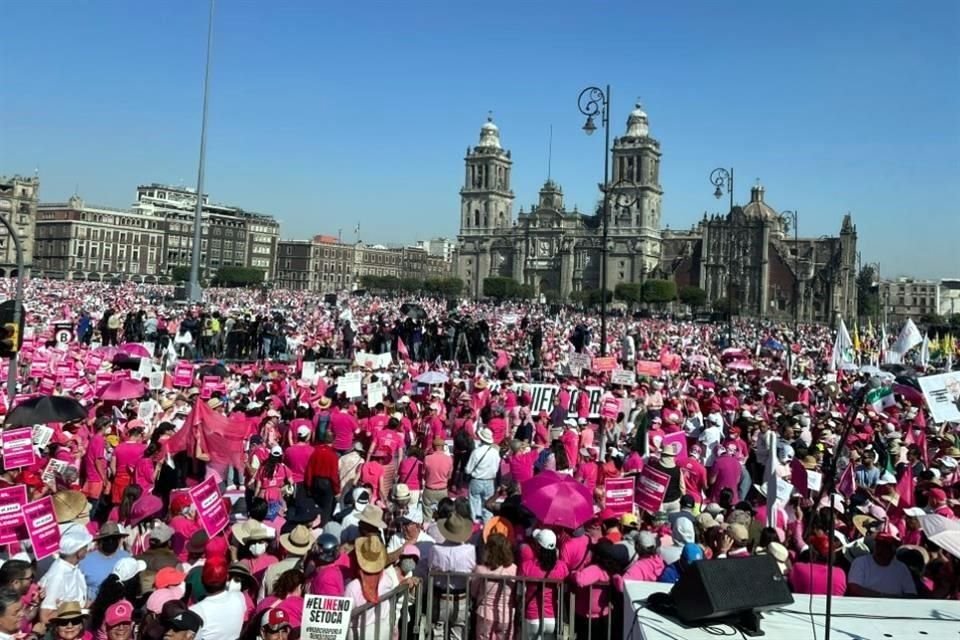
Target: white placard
<point>54,467</point>
<point>42,435</point>
<point>542,397</point>
<point>942,393</point>
<point>145,369</point>
<point>814,480</point>
<point>156,380</point>
<point>351,384</point>
<point>308,372</point>
<point>375,361</point>
<point>375,393</point>
<point>328,618</point>
<point>624,377</point>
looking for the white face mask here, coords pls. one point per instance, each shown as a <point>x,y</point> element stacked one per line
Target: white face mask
<point>258,549</point>
<point>234,585</point>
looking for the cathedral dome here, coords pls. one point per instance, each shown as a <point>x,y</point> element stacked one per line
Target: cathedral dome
<point>757,209</point>
<point>637,124</point>
<point>490,134</point>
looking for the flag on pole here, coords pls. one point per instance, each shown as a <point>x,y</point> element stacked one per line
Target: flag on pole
<point>402,350</point>
<point>909,338</point>
<point>856,337</point>
<point>905,488</point>
<point>842,347</point>
<point>925,351</point>
<point>847,484</point>
<point>881,398</point>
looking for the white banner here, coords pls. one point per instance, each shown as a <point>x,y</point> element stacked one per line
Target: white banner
<point>543,396</point>
<point>623,377</point>
<point>350,384</point>
<point>374,361</point>
<point>942,393</point>
<point>309,371</point>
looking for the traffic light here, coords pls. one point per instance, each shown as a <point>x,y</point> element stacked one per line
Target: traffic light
<point>9,339</point>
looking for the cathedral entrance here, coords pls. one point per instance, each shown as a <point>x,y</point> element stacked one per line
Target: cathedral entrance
<point>547,282</point>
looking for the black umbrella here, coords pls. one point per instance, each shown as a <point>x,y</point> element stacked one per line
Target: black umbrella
<point>217,370</point>
<point>45,409</point>
<point>124,361</point>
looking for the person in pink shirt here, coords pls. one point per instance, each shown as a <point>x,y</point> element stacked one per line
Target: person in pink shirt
<point>649,563</point>
<point>588,470</point>
<point>583,403</point>
<point>437,473</point>
<point>378,421</point>
<point>327,579</point>
<point>725,474</point>
<point>344,426</point>
<point>410,472</point>
<point>494,599</point>
<point>521,461</point>
<point>592,605</point>
<point>539,559</point>
<point>694,473</point>
<point>93,470</point>
<point>371,474</point>
<point>297,456</point>
<point>810,576</point>
<point>498,426</point>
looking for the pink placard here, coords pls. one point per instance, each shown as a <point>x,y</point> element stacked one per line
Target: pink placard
<point>92,361</point>
<point>47,386</point>
<point>183,375</point>
<point>602,365</point>
<point>18,448</point>
<point>64,370</point>
<point>12,500</point>
<point>103,379</point>
<point>42,527</point>
<point>618,494</point>
<point>37,370</point>
<point>122,374</point>
<point>651,487</point>
<point>209,504</point>
<point>610,407</point>
<point>210,385</point>
<point>681,439</point>
<point>649,368</point>
<point>70,383</point>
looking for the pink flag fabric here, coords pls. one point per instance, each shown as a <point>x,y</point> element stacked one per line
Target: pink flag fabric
<point>218,437</point>
<point>905,488</point>
<point>847,483</point>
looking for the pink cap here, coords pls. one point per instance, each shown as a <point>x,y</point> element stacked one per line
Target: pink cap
<point>118,613</point>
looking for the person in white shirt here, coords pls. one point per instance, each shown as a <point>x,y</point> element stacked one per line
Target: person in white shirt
<point>482,467</point>
<point>880,574</point>
<point>222,610</point>
<point>64,581</point>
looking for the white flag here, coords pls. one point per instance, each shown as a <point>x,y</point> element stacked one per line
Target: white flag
<point>842,347</point>
<point>925,352</point>
<point>909,338</point>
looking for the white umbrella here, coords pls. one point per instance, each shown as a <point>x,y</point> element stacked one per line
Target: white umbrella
<point>934,524</point>
<point>949,541</point>
<point>432,377</point>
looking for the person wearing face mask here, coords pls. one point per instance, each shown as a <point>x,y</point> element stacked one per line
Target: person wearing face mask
<point>253,539</point>
<point>241,581</point>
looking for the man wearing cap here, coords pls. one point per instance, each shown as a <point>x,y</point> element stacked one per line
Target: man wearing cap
<point>482,468</point>
<point>274,624</point>
<point>411,533</point>
<point>185,625</point>
<point>222,611</point>
<point>64,581</point>
<point>298,454</point>
<point>295,545</point>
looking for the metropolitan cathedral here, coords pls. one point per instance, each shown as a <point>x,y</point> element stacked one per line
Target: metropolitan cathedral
<point>750,255</point>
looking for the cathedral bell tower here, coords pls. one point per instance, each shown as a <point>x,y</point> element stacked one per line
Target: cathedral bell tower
<point>486,200</point>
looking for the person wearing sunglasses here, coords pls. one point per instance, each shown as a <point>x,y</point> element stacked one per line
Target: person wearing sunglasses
<point>68,622</point>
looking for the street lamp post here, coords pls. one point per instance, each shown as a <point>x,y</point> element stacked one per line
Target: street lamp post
<point>594,101</point>
<point>722,179</point>
<point>195,293</point>
<point>792,216</point>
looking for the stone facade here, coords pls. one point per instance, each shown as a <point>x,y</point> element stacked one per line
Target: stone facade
<point>550,247</point>
<point>751,256</point>
<point>18,204</point>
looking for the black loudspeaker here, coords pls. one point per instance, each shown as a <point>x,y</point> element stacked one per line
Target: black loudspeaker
<point>735,589</point>
<point>330,299</point>
<point>179,293</point>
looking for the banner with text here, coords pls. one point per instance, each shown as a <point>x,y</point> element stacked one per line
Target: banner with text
<point>328,618</point>
<point>619,493</point>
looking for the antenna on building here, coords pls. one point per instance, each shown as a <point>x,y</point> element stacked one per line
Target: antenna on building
<point>356,233</point>
<point>550,154</point>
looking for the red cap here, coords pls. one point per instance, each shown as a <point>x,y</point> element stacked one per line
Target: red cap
<point>168,577</point>
<point>215,573</point>
<point>275,618</point>
<point>937,494</point>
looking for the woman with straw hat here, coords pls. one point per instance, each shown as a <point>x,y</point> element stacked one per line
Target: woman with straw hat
<point>375,580</point>
<point>68,622</point>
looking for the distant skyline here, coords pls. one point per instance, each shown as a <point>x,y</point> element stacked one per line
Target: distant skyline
<point>330,115</point>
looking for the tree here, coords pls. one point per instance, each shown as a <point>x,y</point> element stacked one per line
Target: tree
<point>180,274</point>
<point>551,296</point>
<point>726,305</point>
<point>694,297</point>
<point>499,288</point>
<point>931,319</point>
<point>595,296</point>
<point>868,293</point>
<point>659,291</point>
<point>239,276</point>
<point>410,285</point>
<point>629,292</point>
<point>525,292</point>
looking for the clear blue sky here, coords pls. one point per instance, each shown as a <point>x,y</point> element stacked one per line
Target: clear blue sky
<point>327,114</point>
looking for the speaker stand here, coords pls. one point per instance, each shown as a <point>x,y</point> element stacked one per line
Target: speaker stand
<point>748,623</point>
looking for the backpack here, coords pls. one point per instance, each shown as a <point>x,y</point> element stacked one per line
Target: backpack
<point>323,421</point>
<point>462,442</point>
<point>541,459</point>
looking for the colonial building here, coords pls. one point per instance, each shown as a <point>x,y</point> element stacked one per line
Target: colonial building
<point>751,257</point>
<point>550,247</point>
<point>18,204</point>
<point>904,298</point>
<point>230,236</point>
<point>294,259</point>
<point>77,241</point>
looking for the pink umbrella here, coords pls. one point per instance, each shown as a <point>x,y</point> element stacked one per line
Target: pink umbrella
<point>135,349</point>
<point>123,390</point>
<point>739,365</point>
<point>541,480</point>
<point>106,352</point>
<point>564,503</point>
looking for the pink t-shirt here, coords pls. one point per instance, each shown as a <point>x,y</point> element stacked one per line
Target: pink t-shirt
<point>534,599</point>
<point>811,577</point>
<point>438,468</point>
<point>498,426</point>
<point>521,465</point>
<point>96,450</point>
<point>271,485</point>
<point>296,459</point>
<point>409,473</point>
<point>343,426</point>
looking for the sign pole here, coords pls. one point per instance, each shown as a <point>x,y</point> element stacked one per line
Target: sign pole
<point>17,311</point>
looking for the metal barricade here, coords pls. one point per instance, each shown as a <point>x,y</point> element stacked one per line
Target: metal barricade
<point>397,616</point>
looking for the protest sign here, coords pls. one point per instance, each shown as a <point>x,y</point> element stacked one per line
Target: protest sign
<point>678,439</point>
<point>351,384</point>
<point>145,369</point>
<point>375,393</point>
<point>373,361</point>
<point>41,434</point>
<point>18,448</point>
<point>327,618</point>
<point>610,407</point>
<point>543,395</point>
<point>182,375</point>
<point>209,386</point>
<point>604,364</point>
<point>942,394</point>
<point>54,467</point>
<point>579,362</point>
<point>308,372</point>
<point>814,480</point>
<point>649,368</point>
<point>651,487</point>
<point>623,377</point>
<point>156,381</point>
<point>619,493</point>
<point>209,505</point>
<point>42,528</point>
<point>12,500</point>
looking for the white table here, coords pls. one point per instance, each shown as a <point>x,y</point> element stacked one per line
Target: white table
<point>882,619</point>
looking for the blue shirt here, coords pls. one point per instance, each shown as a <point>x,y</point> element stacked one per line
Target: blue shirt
<point>96,567</point>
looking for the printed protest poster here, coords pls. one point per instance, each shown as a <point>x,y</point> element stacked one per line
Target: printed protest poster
<point>619,493</point>
<point>156,380</point>
<point>678,439</point>
<point>309,371</point>
<point>183,374</point>
<point>209,505</point>
<point>12,500</point>
<point>610,407</point>
<point>328,618</point>
<point>814,481</point>
<point>145,369</point>
<point>543,395</point>
<point>578,363</point>
<point>375,393</point>
<point>18,448</point>
<point>350,384</point>
<point>942,393</point>
<point>623,377</point>
<point>209,386</point>
<point>649,368</point>
<point>373,361</point>
<point>42,528</point>
<point>651,487</point>
<point>602,365</point>
<point>41,434</point>
<point>54,467</point>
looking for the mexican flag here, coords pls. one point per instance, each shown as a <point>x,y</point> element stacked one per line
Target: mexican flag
<point>880,398</point>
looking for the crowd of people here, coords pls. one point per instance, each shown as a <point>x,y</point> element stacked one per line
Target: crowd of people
<point>362,451</point>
